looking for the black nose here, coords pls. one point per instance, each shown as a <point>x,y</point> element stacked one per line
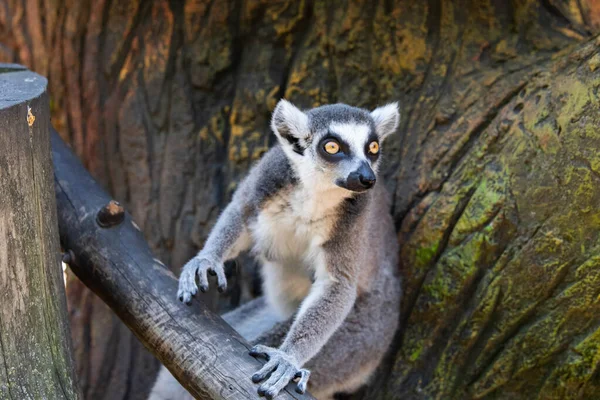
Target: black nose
<point>361,179</point>
<point>367,181</point>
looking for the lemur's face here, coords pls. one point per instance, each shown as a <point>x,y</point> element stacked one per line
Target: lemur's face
<point>335,145</point>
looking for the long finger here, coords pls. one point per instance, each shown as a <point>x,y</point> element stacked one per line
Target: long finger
<point>202,279</point>
<point>278,385</point>
<point>187,286</point>
<point>221,278</point>
<point>303,374</point>
<point>275,376</point>
<point>265,371</point>
<point>259,350</point>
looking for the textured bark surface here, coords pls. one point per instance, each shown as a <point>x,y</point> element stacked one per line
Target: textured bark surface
<point>35,344</point>
<point>494,170</point>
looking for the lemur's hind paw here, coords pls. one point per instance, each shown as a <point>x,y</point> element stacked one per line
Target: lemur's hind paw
<point>282,367</point>
<point>199,265</point>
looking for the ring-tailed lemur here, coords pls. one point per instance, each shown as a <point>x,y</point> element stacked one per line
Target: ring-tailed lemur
<point>312,213</point>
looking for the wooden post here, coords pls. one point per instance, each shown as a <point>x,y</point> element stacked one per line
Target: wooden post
<point>35,343</point>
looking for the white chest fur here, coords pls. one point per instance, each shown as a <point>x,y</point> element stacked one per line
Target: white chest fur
<point>288,235</point>
<point>294,224</point>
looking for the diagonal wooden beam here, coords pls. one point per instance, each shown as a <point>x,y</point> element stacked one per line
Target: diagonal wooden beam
<point>110,255</point>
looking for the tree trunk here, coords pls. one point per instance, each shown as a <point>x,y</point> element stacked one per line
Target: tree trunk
<point>35,345</point>
<point>495,169</point>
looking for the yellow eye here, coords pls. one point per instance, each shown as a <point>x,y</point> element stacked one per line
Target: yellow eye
<point>373,147</point>
<point>332,147</point>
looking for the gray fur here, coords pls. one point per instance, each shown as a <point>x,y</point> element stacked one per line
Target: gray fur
<point>269,177</point>
<point>321,117</point>
<point>329,255</point>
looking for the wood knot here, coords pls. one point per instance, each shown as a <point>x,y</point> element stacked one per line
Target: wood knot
<point>111,214</point>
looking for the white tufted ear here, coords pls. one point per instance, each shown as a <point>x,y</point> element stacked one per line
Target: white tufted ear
<point>290,125</point>
<point>387,119</point>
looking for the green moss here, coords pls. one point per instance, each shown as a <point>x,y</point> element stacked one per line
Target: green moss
<point>525,204</point>
<point>424,255</point>
<point>416,353</point>
<point>574,96</point>
<point>488,198</point>
<point>594,62</point>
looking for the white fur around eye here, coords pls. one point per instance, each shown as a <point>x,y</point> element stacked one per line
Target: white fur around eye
<point>356,135</point>
<point>387,119</point>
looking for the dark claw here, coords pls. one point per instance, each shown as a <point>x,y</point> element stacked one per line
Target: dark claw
<point>300,390</point>
<point>256,378</point>
<point>212,272</point>
<point>254,352</point>
<point>303,374</point>
<point>203,288</point>
<point>259,354</point>
<point>222,289</point>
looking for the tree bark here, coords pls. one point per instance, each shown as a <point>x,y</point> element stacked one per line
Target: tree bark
<point>109,254</point>
<point>494,169</point>
<point>35,344</point>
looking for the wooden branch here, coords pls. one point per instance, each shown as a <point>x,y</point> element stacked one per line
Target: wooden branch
<point>109,254</point>
<point>35,344</point>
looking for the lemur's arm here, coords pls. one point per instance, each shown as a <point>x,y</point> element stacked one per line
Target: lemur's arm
<point>229,236</point>
<point>321,313</point>
<point>331,298</point>
<point>226,240</point>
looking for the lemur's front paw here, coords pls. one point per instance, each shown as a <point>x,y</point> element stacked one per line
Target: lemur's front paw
<point>199,266</point>
<point>282,367</point>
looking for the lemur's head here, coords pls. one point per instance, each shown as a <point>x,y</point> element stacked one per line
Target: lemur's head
<point>336,144</point>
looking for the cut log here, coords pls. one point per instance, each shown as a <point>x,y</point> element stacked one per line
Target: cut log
<point>35,343</point>
<point>110,255</point>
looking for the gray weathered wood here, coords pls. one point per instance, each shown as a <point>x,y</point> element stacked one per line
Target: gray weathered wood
<point>110,255</point>
<point>35,342</point>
